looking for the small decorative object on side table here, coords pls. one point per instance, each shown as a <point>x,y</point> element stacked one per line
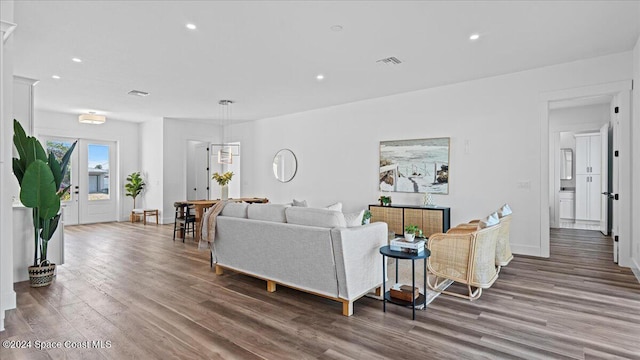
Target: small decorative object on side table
<point>421,300</point>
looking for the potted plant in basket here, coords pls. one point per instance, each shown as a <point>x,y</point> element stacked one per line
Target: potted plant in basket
<point>40,178</point>
<point>410,232</point>
<point>223,180</point>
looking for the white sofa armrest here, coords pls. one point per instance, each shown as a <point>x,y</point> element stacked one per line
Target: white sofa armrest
<point>358,260</point>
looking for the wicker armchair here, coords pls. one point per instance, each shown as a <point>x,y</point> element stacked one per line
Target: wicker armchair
<point>503,248</point>
<point>467,257</point>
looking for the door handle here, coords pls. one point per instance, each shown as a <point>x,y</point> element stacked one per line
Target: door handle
<point>609,195</point>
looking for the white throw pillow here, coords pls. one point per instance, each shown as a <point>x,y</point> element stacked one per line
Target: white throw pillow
<point>504,211</point>
<point>354,219</point>
<point>238,210</point>
<point>267,212</point>
<point>489,221</point>
<point>301,203</point>
<point>337,207</point>
<point>315,217</point>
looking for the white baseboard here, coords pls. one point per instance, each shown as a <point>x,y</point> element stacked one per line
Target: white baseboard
<point>8,302</point>
<point>525,250</point>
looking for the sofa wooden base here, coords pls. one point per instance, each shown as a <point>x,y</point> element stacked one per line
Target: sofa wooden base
<point>347,305</point>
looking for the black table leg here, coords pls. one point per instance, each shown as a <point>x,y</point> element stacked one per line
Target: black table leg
<point>425,284</point>
<point>384,284</point>
<point>413,286</point>
<point>396,260</point>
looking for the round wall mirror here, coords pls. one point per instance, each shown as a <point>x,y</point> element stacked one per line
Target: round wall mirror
<point>285,165</point>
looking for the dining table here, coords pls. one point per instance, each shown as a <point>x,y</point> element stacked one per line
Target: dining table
<point>201,205</point>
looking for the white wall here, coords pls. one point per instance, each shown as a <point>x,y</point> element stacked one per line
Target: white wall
<point>151,165</point>
<point>123,132</point>
<point>177,133</point>
<point>635,176</point>
<point>338,147</point>
<point>7,180</point>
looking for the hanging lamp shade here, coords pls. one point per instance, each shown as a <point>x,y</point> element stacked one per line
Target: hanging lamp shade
<point>225,154</point>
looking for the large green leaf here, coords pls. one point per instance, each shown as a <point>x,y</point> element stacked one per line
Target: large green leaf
<point>65,159</point>
<point>18,169</point>
<point>47,231</point>
<point>38,190</point>
<point>40,154</point>
<point>54,165</point>
<point>19,139</point>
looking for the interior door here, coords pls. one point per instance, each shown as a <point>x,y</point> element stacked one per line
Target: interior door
<point>97,192</point>
<point>615,179</point>
<point>604,179</point>
<point>202,171</point>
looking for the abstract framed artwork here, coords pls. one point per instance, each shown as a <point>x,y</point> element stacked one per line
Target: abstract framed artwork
<point>416,166</point>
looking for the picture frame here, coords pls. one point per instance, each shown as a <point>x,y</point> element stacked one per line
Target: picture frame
<point>415,166</point>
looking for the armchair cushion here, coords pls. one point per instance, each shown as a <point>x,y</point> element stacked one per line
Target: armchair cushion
<point>504,211</point>
<point>489,221</point>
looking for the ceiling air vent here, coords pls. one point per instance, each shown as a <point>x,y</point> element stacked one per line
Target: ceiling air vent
<point>390,61</point>
<point>138,93</point>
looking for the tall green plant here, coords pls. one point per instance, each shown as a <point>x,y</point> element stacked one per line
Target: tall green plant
<point>134,186</point>
<point>40,177</point>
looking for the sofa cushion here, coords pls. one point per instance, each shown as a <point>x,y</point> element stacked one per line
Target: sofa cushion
<point>301,203</point>
<point>267,212</point>
<point>354,219</point>
<point>315,217</point>
<point>489,221</point>
<point>337,207</point>
<point>234,209</point>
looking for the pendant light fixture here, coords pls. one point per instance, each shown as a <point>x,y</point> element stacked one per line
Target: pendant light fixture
<point>92,118</point>
<point>225,154</point>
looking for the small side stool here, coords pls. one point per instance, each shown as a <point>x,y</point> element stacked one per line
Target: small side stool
<point>144,213</point>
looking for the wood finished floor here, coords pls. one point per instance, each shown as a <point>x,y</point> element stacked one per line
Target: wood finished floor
<point>156,299</point>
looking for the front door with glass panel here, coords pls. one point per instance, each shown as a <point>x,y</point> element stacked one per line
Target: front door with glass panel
<point>92,178</point>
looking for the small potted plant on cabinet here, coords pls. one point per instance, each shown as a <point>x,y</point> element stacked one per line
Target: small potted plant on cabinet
<point>41,188</point>
<point>385,200</point>
<point>366,217</point>
<point>410,232</point>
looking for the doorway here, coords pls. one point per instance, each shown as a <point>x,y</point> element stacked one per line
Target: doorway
<point>619,110</point>
<point>197,170</point>
<point>92,178</point>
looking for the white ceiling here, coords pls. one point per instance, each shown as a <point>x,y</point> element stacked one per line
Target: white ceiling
<point>265,55</point>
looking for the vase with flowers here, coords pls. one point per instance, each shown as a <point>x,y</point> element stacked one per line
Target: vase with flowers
<point>223,180</point>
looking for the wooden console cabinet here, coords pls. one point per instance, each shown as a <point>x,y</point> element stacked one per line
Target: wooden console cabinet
<point>431,219</point>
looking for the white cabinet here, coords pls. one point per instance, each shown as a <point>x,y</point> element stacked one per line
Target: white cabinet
<point>588,153</point>
<point>588,160</point>
<point>588,197</point>
<point>567,207</point>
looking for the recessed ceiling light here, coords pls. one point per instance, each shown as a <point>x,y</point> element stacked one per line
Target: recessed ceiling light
<point>76,60</point>
<point>55,77</point>
<point>336,28</point>
<point>474,37</point>
<point>319,77</point>
<point>191,26</point>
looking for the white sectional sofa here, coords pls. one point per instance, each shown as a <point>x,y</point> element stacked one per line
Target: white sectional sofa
<point>307,249</point>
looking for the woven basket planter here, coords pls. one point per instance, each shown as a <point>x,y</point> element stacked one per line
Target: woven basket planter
<point>41,275</point>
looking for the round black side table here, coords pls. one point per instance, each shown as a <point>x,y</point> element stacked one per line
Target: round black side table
<point>399,255</point>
